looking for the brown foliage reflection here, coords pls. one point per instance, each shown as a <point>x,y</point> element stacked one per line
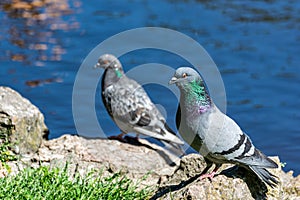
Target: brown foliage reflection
<point>28,30</point>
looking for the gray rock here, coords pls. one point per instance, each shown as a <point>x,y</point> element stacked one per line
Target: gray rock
<point>169,181</point>
<point>112,156</point>
<point>21,120</point>
<point>184,183</point>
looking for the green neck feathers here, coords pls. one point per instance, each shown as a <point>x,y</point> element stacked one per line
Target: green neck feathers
<point>118,73</point>
<point>197,94</point>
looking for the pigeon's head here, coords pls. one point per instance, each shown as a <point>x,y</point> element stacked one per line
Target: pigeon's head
<point>108,61</point>
<point>185,75</point>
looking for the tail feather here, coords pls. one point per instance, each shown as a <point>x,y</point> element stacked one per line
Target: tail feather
<point>176,148</point>
<point>265,175</point>
<point>264,160</point>
<point>166,137</point>
<point>272,163</point>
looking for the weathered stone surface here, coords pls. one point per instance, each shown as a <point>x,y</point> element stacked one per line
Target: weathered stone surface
<point>111,156</point>
<point>21,120</point>
<point>185,183</point>
<point>178,180</point>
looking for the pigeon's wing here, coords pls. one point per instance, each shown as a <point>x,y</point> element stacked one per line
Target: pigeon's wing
<point>236,147</point>
<point>192,139</point>
<point>178,116</point>
<point>120,102</point>
<point>129,102</point>
<point>255,159</point>
<point>131,105</point>
<point>233,144</point>
<point>257,162</point>
<point>106,94</point>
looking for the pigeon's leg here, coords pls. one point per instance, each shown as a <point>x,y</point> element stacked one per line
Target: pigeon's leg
<point>130,139</point>
<point>118,137</point>
<point>208,165</point>
<point>211,174</point>
<point>137,137</point>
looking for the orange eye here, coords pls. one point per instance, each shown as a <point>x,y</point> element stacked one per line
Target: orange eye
<point>184,75</point>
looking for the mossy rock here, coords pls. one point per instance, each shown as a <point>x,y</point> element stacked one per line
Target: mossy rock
<point>21,121</point>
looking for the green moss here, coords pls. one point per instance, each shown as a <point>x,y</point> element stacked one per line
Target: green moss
<point>5,145</point>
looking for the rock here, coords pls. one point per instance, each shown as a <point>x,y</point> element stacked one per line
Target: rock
<point>184,183</point>
<point>238,184</point>
<point>169,176</point>
<point>21,121</point>
<point>172,178</point>
<point>110,156</point>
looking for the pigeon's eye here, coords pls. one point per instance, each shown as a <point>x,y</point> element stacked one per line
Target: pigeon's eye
<point>184,75</point>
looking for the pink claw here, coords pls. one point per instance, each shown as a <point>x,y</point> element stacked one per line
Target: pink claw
<point>209,175</point>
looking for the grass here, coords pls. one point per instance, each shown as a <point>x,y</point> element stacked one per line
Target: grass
<point>46,183</point>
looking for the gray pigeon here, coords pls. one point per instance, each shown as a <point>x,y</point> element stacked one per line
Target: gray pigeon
<point>212,133</point>
<point>129,105</point>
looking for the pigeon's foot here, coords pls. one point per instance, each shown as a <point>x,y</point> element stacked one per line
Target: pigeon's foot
<point>137,137</point>
<point>132,140</point>
<point>126,139</point>
<point>118,137</point>
<point>209,175</point>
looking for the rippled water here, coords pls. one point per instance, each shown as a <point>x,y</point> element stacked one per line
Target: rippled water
<point>255,45</point>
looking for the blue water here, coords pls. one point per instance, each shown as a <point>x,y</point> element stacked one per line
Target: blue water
<point>255,45</point>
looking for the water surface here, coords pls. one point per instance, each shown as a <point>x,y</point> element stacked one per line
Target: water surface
<point>255,45</point>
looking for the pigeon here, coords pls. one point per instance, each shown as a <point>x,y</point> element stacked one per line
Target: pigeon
<point>129,106</point>
<point>212,133</point>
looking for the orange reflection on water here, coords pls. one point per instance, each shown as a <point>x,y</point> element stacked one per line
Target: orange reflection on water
<point>28,33</point>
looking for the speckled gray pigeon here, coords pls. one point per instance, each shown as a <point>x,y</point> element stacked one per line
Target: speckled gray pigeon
<point>216,136</point>
<point>129,105</point>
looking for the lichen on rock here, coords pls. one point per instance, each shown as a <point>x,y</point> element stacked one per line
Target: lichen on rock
<point>21,121</point>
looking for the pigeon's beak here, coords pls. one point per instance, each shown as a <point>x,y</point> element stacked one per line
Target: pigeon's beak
<point>102,64</point>
<point>173,80</point>
<point>97,65</point>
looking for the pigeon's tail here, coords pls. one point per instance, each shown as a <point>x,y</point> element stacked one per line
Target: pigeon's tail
<point>264,161</point>
<point>167,136</point>
<point>176,149</point>
<point>272,164</point>
<point>265,175</point>
<point>168,131</point>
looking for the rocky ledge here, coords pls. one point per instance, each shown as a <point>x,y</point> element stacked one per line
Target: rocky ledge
<point>169,176</point>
